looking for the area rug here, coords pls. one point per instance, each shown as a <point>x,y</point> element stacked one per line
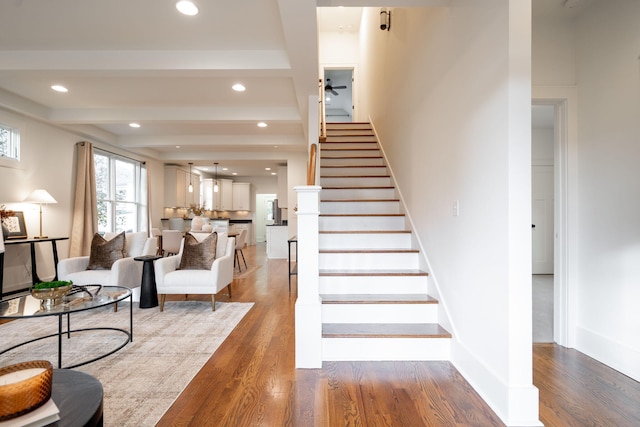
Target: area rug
<point>145,377</point>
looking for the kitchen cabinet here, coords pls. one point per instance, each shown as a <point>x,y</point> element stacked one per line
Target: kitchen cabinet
<point>225,187</point>
<point>176,188</point>
<point>241,196</point>
<point>283,188</point>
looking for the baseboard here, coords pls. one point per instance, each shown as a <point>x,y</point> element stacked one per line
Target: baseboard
<point>516,406</point>
<point>614,354</point>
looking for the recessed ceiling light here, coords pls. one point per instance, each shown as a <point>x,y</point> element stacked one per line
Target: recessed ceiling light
<point>59,88</point>
<point>134,125</point>
<point>262,125</point>
<point>225,169</point>
<point>187,7</point>
<point>238,87</point>
<point>267,169</point>
<point>234,173</point>
<point>177,146</point>
<point>274,173</point>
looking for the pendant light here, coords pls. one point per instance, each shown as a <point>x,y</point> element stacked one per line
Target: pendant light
<point>190,185</point>
<point>215,185</point>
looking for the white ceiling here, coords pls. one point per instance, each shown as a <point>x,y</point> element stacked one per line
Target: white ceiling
<point>141,61</point>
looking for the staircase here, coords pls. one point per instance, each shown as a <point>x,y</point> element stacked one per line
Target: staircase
<point>375,304</point>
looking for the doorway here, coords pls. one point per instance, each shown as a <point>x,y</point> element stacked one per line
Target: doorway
<point>543,144</point>
<point>264,215</point>
<point>338,95</point>
<point>563,100</point>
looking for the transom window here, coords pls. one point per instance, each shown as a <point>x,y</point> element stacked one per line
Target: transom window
<point>121,192</point>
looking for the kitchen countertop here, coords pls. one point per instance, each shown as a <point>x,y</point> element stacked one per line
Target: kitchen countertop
<point>231,221</point>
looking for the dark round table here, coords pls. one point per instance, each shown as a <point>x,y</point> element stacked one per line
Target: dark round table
<point>78,396</point>
<point>148,291</point>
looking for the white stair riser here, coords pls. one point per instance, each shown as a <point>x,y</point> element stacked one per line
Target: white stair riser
<point>373,161</point>
<point>365,241</point>
<point>373,284</point>
<point>360,207</point>
<point>368,261</point>
<point>350,153</point>
<point>357,194</point>
<point>350,146</point>
<point>348,125</point>
<point>386,349</point>
<point>380,313</point>
<point>346,223</point>
<point>356,171</point>
<point>351,132</point>
<point>349,139</point>
<point>336,181</point>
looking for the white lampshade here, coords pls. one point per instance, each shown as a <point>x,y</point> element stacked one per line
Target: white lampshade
<point>40,196</point>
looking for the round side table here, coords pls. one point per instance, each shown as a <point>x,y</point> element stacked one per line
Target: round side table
<point>148,291</point>
<point>78,396</point>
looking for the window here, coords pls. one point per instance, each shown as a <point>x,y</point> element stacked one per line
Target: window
<point>121,191</point>
<point>9,142</point>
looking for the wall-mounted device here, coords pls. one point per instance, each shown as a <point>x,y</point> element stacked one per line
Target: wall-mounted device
<point>385,19</point>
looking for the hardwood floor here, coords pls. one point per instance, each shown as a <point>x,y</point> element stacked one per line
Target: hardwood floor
<point>251,379</point>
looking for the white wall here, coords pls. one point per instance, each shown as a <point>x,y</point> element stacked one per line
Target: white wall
<point>454,121</point>
<point>340,50</point>
<point>598,53</point>
<point>48,157</point>
<point>608,320</point>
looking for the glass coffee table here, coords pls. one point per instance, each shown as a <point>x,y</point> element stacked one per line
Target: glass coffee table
<point>90,298</point>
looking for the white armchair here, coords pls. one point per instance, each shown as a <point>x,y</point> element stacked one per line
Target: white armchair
<point>124,272</point>
<point>170,280</point>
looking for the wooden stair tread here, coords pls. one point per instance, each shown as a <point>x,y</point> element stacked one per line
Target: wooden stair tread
<point>361,214</point>
<point>384,330</point>
<point>357,200</point>
<point>324,150</point>
<point>386,187</point>
<point>365,231</point>
<point>372,140</point>
<point>369,251</point>
<point>377,299</point>
<point>352,166</point>
<point>355,176</point>
<point>350,157</point>
<point>372,273</point>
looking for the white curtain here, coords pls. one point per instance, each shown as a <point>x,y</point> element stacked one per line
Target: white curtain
<point>85,207</point>
<point>145,171</point>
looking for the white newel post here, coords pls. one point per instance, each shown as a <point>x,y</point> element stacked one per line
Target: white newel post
<point>308,325</point>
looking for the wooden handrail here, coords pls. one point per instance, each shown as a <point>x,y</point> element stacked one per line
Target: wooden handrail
<point>322,113</point>
<point>311,168</point>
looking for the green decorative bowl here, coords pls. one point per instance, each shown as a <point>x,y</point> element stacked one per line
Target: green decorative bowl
<point>50,297</point>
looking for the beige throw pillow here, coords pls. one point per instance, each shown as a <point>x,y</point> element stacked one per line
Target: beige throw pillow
<point>198,255</point>
<point>105,252</point>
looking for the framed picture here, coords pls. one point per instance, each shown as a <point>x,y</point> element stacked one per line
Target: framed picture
<point>15,225</point>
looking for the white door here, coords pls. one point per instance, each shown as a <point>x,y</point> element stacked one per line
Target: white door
<point>542,227</point>
<point>264,215</point>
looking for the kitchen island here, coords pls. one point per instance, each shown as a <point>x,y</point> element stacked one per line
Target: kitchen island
<point>277,246</point>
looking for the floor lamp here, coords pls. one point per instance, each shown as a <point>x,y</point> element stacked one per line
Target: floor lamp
<point>41,197</point>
